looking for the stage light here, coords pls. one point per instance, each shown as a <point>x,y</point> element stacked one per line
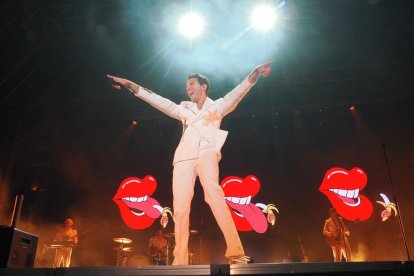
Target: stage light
<point>191,25</point>
<point>36,188</point>
<point>134,122</point>
<point>352,108</point>
<point>263,18</point>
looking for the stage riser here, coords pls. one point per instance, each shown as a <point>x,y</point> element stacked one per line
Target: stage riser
<point>352,268</point>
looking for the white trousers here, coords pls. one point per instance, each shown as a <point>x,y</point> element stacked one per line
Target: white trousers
<point>63,254</point>
<point>342,249</point>
<point>184,177</point>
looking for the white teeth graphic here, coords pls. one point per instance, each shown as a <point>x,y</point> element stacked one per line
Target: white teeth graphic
<point>239,200</point>
<point>135,199</point>
<point>238,214</point>
<point>138,214</point>
<point>349,194</point>
<point>342,192</point>
<point>354,204</point>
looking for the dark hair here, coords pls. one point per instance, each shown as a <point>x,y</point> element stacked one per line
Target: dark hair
<point>201,80</point>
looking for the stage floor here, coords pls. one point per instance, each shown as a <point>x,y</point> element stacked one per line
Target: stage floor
<point>378,268</point>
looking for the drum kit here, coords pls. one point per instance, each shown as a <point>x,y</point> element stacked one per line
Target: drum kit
<point>122,251</point>
<point>125,258</point>
<point>171,236</point>
<point>191,253</point>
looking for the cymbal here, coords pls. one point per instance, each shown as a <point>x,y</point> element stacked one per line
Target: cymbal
<point>169,235</point>
<point>122,240</point>
<point>126,249</point>
<point>193,232</point>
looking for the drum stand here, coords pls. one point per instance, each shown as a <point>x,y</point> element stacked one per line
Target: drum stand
<point>121,257</point>
<point>191,248</point>
<point>191,254</point>
<point>122,252</point>
<point>167,260</point>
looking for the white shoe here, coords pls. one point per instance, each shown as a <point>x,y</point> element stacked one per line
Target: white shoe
<point>240,260</point>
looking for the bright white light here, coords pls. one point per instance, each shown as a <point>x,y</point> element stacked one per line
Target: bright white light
<point>191,25</point>
<point>263,18</point>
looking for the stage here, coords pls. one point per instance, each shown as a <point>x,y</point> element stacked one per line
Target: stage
<point>379,268</point>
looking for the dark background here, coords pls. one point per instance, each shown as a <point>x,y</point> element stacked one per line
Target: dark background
<point>66,140</point>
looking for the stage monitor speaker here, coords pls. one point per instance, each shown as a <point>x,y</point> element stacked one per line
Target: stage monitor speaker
<point>17,248</point>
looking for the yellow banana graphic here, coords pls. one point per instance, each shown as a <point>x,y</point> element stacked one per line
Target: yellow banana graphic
<point>269,211</point>
<point>164,216</point>
<point>389,207</point>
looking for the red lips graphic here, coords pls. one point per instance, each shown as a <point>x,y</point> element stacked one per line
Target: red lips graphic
<point>342,188</point>
<point>238,193</point>
<point>138,210</point>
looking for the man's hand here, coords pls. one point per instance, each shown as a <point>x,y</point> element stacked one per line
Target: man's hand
<point>118,83</point>
<point>263,69</point>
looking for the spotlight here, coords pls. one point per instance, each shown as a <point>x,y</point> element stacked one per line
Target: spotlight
<point>263,18</point>
<point>36,188</point>
<point>352,108</point>
<point>191,25</point>
<point>134,122</point>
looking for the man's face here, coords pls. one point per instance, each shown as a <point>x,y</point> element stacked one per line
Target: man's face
<point>69,223</point>
<point>194,89</point>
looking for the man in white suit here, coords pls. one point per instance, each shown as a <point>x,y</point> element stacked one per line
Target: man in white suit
<point>337,236</point>
<point>67,237</point>
<point>198,154</point>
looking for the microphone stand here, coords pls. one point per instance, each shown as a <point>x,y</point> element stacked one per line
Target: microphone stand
<point>396,203</point>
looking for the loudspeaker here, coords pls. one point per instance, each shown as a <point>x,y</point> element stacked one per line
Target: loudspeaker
<point>18,248</point>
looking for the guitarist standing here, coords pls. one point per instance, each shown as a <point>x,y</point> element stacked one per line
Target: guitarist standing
<point>66,236</point>
<point>337,236</point>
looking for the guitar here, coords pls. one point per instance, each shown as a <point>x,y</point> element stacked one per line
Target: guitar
<point>337,238</point>
<point>341,234</point>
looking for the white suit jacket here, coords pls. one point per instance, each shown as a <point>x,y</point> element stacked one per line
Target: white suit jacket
<point>329,228</point>
<point>198,125</point>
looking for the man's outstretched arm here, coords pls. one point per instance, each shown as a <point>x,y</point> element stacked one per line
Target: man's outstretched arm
<point>162,104</point>
<point>229,102</point>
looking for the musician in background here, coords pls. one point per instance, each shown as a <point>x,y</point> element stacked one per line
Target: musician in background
<point>337,236</point>
<point>67,236</point>
<point>291,257</point>
<point>157,248</point>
